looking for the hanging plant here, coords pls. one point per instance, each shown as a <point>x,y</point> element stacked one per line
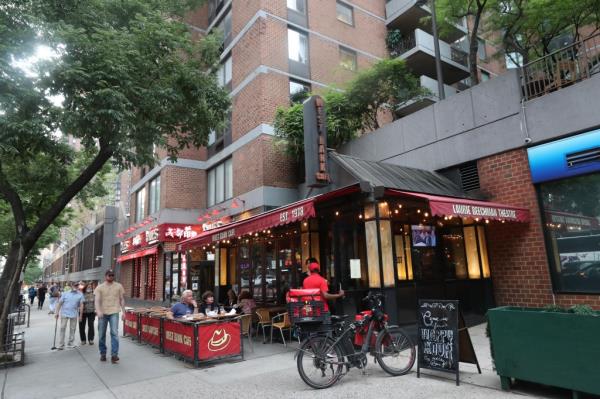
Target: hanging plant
<point>393,40</point>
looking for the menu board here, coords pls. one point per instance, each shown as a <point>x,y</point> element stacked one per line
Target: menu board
<point>438,336</point>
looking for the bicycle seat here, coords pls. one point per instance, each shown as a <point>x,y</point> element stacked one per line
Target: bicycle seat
<point>337,319</point>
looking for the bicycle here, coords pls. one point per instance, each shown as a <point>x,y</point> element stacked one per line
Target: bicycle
<point>329,348</point>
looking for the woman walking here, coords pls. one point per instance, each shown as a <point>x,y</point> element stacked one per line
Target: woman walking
<point>89,313</point>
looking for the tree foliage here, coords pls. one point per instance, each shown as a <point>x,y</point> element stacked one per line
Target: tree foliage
<point>529,27</point>
<point>449,12</point>
<point>385,87</point>
<point>127,76</point>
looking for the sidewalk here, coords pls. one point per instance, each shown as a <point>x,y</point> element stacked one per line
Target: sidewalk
<point>268,372</point>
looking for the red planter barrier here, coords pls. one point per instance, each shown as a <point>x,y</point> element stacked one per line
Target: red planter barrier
<point>151,330</point>
<point>179,338</point>
<point>131,325</point>
<point>218,340</point>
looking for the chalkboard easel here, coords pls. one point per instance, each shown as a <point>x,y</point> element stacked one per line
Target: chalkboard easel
<point>443,338</point>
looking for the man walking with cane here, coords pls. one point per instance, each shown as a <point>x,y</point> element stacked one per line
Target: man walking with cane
<point>70,309</point>
<point>109,302</point>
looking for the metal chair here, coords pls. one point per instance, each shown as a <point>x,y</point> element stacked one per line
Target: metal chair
<point>284,324</point>
<point>264,320</point>
<point>246,323</point>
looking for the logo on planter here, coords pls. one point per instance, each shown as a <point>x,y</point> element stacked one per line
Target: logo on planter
<point>219,341</point>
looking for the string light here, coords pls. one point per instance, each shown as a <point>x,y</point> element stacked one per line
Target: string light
<point>426,214</point>
<point>360,215</point>
<point>418,211</point>
<point>337,213</point>
<point>396,211</point>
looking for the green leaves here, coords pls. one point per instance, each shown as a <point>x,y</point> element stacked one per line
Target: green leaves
<point>384,87</point>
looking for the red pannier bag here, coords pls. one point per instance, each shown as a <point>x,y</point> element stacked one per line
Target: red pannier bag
<point>306,306</point>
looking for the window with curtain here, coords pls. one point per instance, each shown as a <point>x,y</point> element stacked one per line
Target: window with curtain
<point>348,59</point>
<point>297,46</point>
<point>344,13</point>
<point>154,197</point>
<point>220,182</point>
<point>140,204</point>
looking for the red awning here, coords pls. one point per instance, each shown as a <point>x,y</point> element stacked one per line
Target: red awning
<point>138,254</point>
<point>462,207</point>
<point>294,212</point>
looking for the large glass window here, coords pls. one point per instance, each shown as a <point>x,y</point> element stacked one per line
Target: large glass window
<point>154,198</point>
<point>348,59</point>
<point>220,182</point>
<point>224,73</point>
<point>140,204</point>
<point>297,46</point>
<point>572,215</point>
<point>298,91</point>
<point>344,13</point>
<point>296,5</point>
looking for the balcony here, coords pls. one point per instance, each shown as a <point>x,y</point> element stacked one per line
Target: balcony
<point>431,85</point>
<point>417,49</point>
<point>407,15</point>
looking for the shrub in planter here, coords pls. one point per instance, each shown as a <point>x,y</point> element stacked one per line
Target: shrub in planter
<point>552,346</point>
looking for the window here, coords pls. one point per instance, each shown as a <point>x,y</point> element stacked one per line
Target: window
<point>348,59</point>
<point>216,135</point>
<point>485,76</point>
<point>297,46</point>
<point>344,13</point>
<point>140,202</point>
<point>225,27</point>
<point>220,182</point>
<point>154,197</point>
<point>481,53</point>
<point>571,212</point>
<point>296,5</point>
<point>224,72</point>
<point>298,91</point>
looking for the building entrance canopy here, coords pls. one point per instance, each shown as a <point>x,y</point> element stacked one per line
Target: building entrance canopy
<point>294,212</point>
<point>466,208</point>
<point>138,254</point>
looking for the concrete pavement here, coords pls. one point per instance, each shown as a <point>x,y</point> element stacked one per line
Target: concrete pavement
<point>268,372</point>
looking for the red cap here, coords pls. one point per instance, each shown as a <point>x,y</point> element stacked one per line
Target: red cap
<point>314,267</point>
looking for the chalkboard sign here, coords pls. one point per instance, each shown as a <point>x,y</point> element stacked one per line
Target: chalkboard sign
<point>438,336</point>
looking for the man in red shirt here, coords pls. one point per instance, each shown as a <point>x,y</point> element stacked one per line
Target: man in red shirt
<point>314,280</point>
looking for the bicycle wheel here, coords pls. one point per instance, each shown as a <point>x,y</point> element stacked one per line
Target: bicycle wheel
<point>319,363</point>
<point>395,351</point>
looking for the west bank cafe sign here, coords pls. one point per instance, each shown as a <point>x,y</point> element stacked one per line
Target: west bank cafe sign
<point>161,233</point>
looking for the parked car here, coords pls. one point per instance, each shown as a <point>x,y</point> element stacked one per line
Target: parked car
<point>586,278</point>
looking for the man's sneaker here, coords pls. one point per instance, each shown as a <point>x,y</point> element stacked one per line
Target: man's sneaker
<point>114,359</point>
<point>103,357</point>
<point>91,342</point>
<point>82,343</point>
<point>71,346</point>
<point>60,348</point>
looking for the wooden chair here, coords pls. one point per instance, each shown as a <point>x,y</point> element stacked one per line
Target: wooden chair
<point>246,322</point>
<point>264,320</point>
<point>284,324</point>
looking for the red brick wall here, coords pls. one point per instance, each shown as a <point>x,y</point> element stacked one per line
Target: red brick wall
<point>126,277</point>
<point>517,251</point>
<point>183,188</point>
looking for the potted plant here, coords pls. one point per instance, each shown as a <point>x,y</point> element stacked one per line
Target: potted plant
<point>551,346</point>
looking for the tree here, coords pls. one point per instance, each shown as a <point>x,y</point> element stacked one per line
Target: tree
<point>129,76</point>
<point>452,12</point>
<point>385,87</point>
<point>33,273</point>
<point>529,27</point>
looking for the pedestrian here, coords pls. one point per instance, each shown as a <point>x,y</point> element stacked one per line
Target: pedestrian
<point>89,313</point>
<point>109,302</point>
<point>41,294</point>
<point>70,309</point>
<point>54,295</point>
<point>31,292</point>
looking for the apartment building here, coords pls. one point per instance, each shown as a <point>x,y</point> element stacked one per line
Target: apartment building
<point>412,19</point>
<point>271,50</point>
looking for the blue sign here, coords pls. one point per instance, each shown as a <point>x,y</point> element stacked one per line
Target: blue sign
<point>568,157</point>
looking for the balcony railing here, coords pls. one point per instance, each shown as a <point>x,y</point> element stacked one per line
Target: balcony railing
<point>561,68</point>
<point>409,41</point>
<point>459,56</point>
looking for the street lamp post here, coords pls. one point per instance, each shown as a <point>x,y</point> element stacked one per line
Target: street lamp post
<point>436,46</point>
<point>438,59</point>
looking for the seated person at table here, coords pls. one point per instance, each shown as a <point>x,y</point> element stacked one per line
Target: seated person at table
<point>187,306</point>
<point>246,302</point>
<point>231,300</point>
<point>208,303</point>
